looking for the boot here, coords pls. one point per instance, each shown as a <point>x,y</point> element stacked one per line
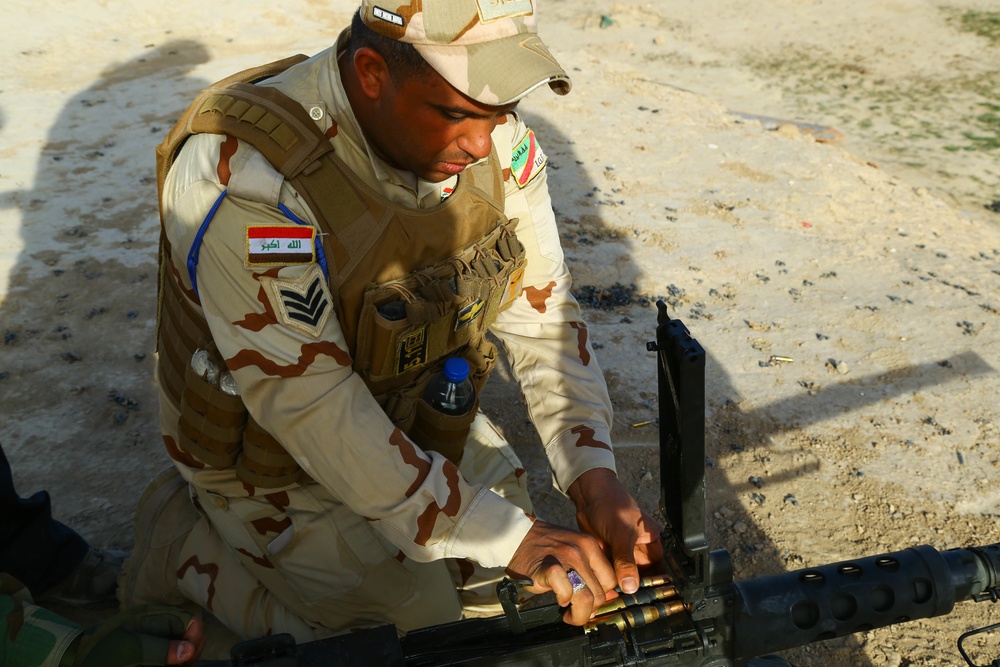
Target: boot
<point>92,583</point>
<point>163,519</point>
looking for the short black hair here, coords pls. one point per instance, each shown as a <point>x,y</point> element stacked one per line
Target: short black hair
<point>403,61</point>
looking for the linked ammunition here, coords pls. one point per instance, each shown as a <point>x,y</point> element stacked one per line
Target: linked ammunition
<point>640,597</point>
<point>638,616</point>
<point>653,580</point>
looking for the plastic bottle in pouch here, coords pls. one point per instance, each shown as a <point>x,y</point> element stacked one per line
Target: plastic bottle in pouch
<point>451,392</point>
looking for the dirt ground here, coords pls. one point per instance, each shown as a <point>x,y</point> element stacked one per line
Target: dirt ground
<point>812,186</point>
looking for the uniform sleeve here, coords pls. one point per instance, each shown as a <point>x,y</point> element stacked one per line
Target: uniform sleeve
<point>296,380</point>
<point>543,333</point>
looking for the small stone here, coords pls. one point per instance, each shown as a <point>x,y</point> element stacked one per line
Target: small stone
<point>788,130</point>
<point>838,366</point>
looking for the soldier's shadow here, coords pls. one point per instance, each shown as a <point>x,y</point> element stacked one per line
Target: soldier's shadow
<point>79,410</point>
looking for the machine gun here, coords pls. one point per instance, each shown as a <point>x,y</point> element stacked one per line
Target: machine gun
<point>696,615</point>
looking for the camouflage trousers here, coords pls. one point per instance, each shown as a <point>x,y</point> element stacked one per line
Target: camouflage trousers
<point>312,568</point>
<point>29,635</point>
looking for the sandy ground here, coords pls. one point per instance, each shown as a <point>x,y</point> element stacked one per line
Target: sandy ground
<point>813,180</point>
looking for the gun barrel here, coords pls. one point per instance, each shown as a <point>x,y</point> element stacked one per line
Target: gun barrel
<point>783,611</point>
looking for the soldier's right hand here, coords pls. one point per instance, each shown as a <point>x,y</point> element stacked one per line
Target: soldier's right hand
<point>188,648</point>
<point>149,635</point>
<point>144,635</point>
<point>547,554</point>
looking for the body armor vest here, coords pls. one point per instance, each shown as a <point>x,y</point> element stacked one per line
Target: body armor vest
<point>410,287</point>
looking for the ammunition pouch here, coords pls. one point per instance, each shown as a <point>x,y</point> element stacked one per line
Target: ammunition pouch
<point>431,430</point>
<point>445,434</point>
<point>410,325</point>
<point>216,427</point>
<point>212,422</point>
<point>425,315</point>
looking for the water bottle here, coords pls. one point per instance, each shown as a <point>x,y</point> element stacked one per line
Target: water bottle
<point>451,392</point>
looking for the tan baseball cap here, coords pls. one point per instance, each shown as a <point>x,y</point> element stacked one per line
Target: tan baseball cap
<point>487,49</point>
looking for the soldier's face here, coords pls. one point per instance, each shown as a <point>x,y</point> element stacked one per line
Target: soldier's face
<point>429,128</point>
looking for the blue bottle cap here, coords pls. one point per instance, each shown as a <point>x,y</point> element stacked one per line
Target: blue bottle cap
<point>456,369</point>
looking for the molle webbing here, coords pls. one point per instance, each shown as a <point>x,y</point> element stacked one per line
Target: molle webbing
<point>264,462</point>
<point>180,132</point>
<point>182,330</point>
<point>214,426</point>
<point>280,130</point>
<point>212,422</point>
<point>166,151</point>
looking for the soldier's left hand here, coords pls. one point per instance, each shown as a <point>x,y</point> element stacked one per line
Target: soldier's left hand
<point>606,510</point>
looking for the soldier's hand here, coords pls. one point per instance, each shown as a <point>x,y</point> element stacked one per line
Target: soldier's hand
<point>145,635</point>
<point>606,510</point>
<point>187,649</point>
<point>547,554</point>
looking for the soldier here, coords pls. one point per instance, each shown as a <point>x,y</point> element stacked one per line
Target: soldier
<point>31,635</point>
<point>333,229</point>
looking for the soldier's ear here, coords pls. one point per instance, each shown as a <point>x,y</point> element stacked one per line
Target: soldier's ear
<point>371,71</point>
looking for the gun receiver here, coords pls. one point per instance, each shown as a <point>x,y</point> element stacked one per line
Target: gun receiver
<point>695,616</point>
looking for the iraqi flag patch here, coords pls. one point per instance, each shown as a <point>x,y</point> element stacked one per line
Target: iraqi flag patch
<point>527,160</point>
<point>280,245</point>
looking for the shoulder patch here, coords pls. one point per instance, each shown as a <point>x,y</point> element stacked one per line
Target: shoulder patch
<point>304,304</point>
<point>280,245</point>
<point>527,160</point>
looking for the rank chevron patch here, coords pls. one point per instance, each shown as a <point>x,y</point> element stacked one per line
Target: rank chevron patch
<point>302,304</point>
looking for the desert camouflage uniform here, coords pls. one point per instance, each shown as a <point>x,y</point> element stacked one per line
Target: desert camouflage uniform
<point>386,532</point>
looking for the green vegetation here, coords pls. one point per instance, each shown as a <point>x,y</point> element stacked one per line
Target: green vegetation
<point>984,24</point>
<point>942,120</point>
<point>913,107</point>
<point>989,138</point>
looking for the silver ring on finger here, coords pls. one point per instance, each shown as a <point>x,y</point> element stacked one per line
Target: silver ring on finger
<point>576,580</point>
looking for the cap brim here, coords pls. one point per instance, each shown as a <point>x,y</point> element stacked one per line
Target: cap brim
<point>499,71</point>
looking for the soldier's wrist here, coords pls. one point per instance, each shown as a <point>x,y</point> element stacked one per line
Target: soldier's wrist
<point>591,484</point>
